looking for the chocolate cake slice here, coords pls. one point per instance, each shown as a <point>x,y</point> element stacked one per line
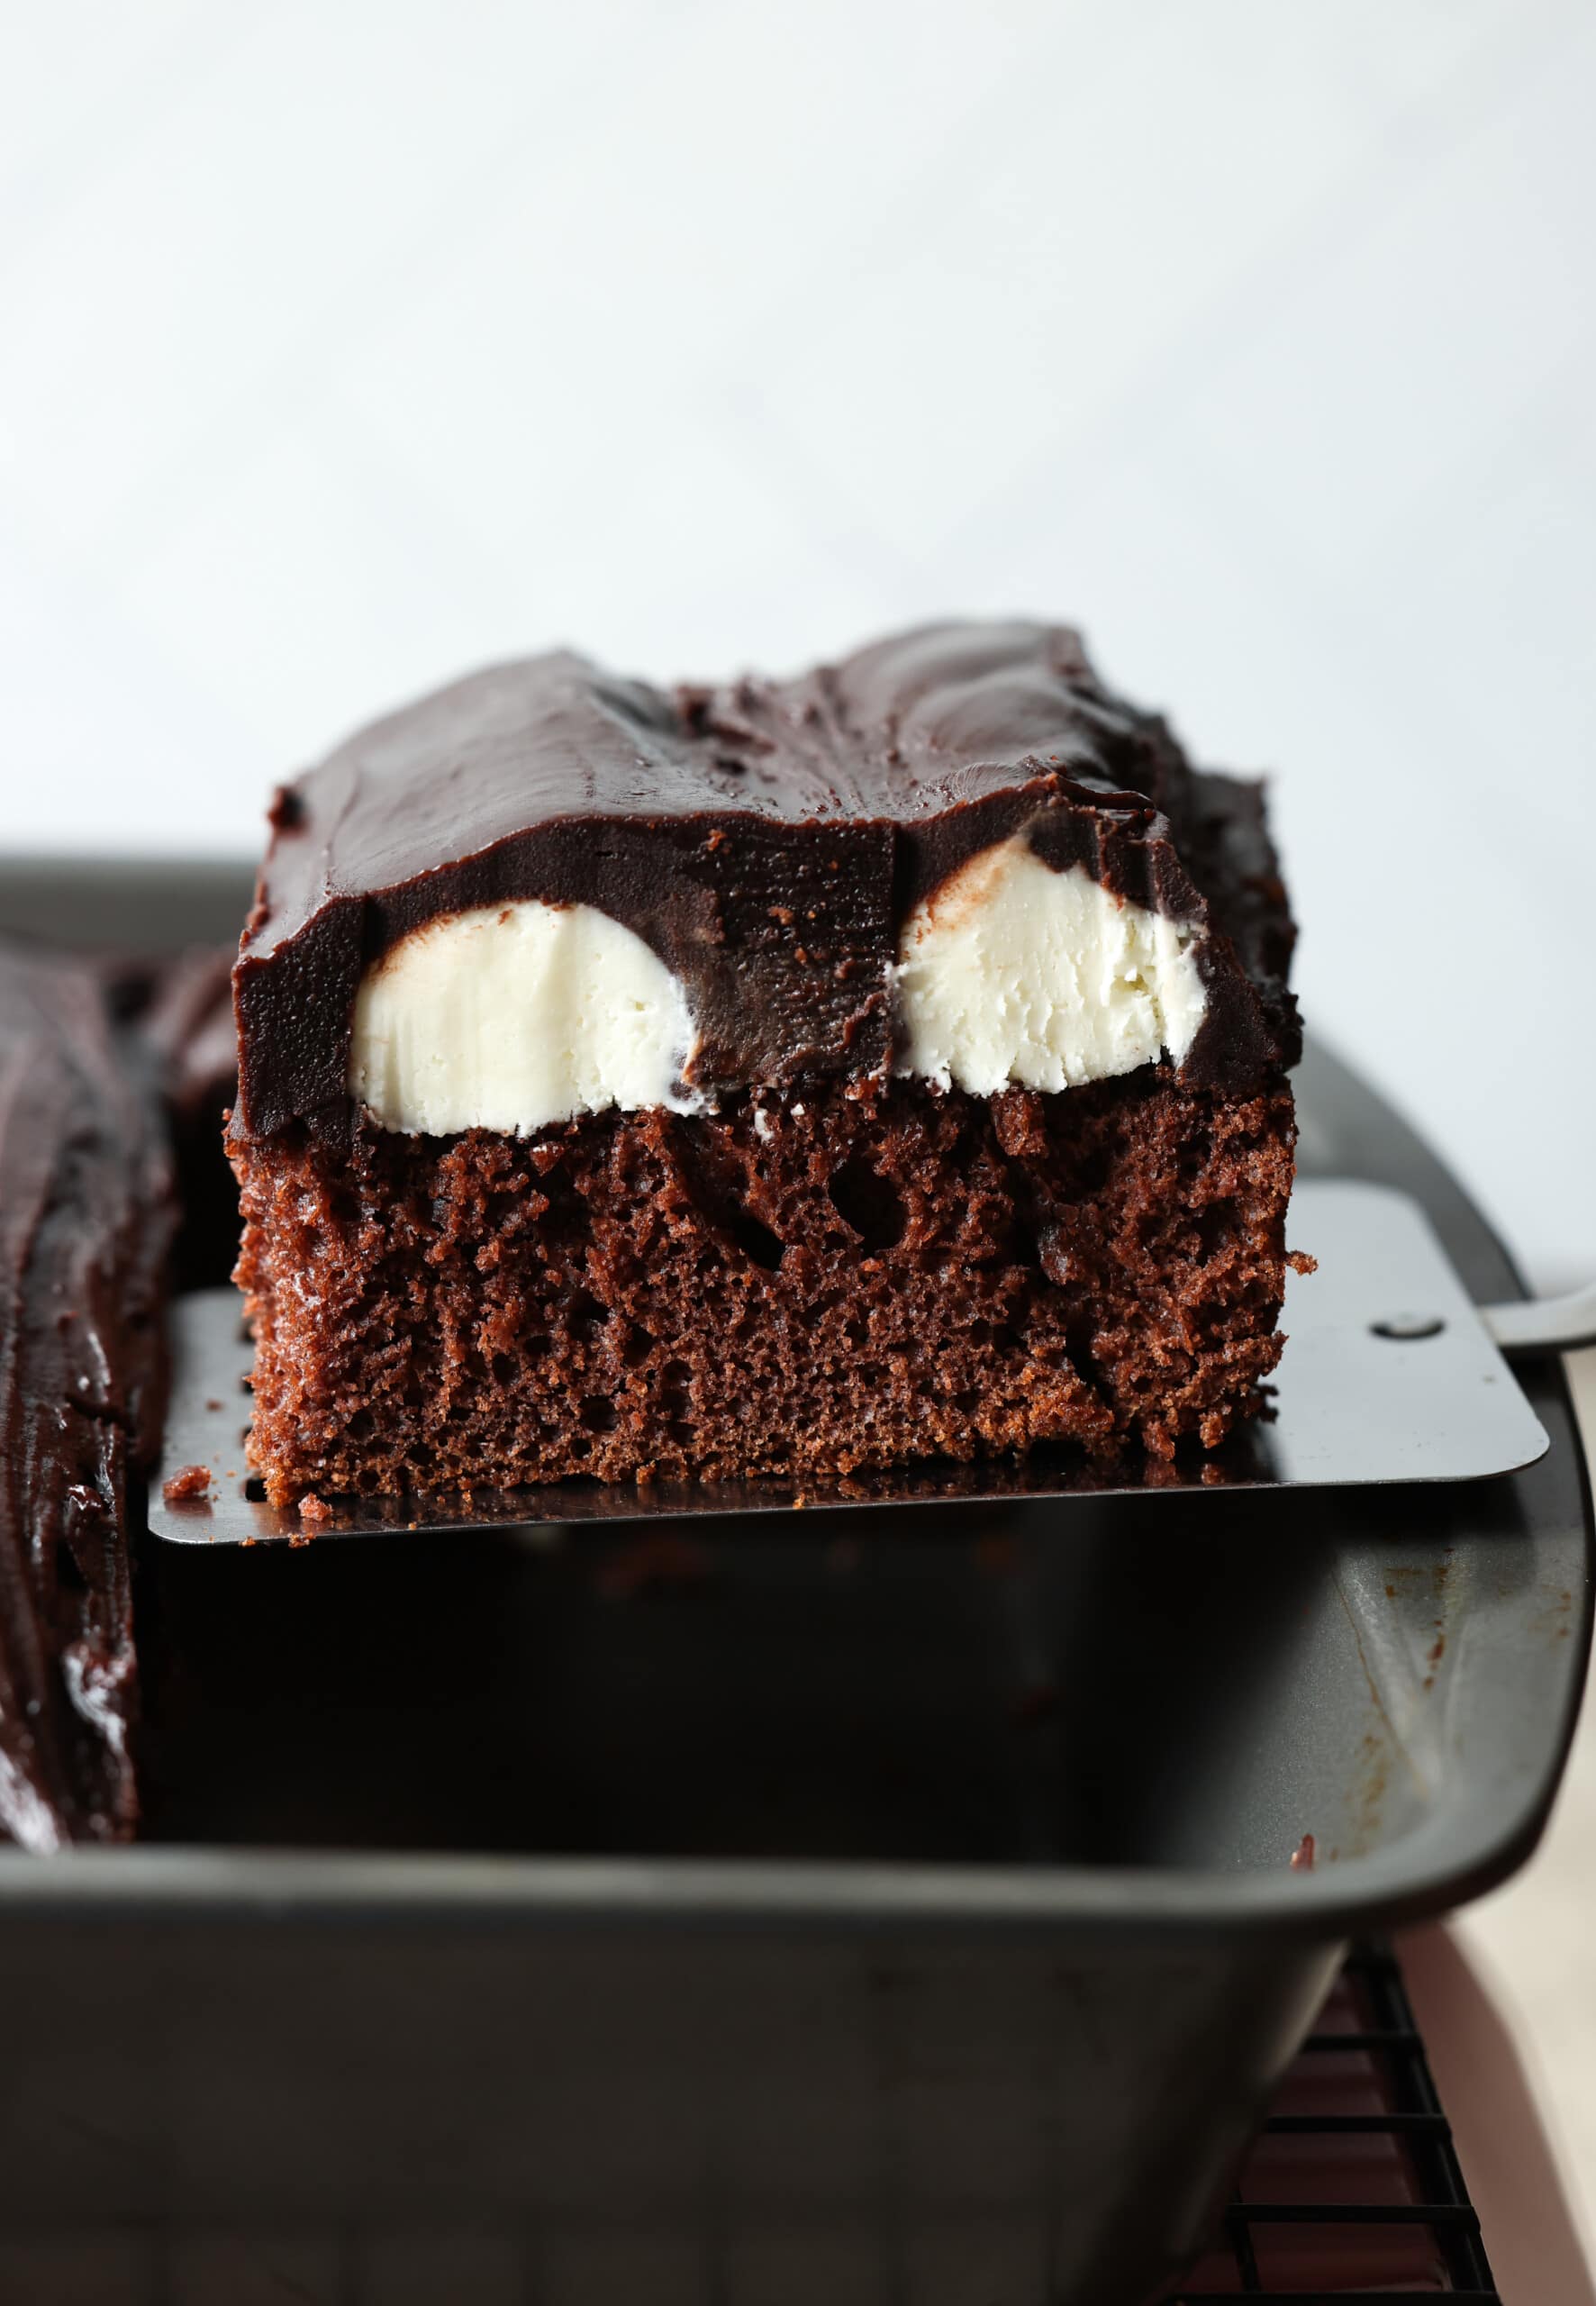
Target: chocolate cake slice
<point>788,1078</point>
<point>87,1216</point>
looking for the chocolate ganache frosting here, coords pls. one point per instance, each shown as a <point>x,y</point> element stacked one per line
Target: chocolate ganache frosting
<point>767,841</point>
<point>86,1217</point>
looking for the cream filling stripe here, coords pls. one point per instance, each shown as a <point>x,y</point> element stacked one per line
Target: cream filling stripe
<point>515,1016</point>
<point>1011,973</point>
<point>512,1016</point>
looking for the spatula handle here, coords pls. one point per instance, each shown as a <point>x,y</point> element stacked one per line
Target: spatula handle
<point>1544,1325</point>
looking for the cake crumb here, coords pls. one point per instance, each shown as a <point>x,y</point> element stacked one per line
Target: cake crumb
<point>1300,1262</point>
<point>1019,1123</point>
<point>316,1512</point>
<point>871,1345</point>
<point>187,1486</point>
<point>1304,1855</point>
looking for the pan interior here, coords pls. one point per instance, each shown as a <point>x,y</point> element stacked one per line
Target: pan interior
<point>1197,1688</point>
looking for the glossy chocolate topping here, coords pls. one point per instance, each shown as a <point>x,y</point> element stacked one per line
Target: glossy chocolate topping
<point>767,840</point>
<point>86,1217</point>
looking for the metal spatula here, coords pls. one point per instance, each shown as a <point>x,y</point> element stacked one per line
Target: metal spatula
<point>1390,1374</point>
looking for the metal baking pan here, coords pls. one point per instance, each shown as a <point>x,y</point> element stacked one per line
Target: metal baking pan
<point>806,1909</point>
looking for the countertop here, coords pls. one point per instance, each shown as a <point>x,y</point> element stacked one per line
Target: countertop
<point>1505,1997</point>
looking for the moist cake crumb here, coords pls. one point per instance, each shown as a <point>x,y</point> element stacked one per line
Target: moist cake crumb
<point>189,1483</point>
<point>638,1296</point>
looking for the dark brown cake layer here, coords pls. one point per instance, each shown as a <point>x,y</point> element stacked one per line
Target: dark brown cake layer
<point>87,1216</point>
<point>821,1280</point>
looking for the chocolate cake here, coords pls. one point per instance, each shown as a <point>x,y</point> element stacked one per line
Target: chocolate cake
<point>793,1076</point>
<point>87,1215</point>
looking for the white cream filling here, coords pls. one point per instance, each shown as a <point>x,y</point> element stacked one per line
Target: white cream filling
<point>1013,974</point>
<point>512,1016</point>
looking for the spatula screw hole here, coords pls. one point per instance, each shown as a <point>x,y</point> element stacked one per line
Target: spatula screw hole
<point>1408,1326</point>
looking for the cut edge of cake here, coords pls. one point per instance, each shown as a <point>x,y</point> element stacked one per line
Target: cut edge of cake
<point>899,1234</point>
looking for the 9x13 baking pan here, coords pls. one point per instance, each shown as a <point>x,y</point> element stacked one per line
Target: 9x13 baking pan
<point>896,1910</point>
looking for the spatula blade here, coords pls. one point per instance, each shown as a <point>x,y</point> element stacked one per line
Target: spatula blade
<point>1389,1375</point>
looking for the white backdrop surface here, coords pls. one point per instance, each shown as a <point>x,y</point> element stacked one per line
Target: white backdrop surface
<point>344,345</point>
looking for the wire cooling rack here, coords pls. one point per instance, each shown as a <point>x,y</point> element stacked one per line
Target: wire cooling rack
<point>1353,2190</point>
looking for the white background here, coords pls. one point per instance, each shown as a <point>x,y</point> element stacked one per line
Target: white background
<point>343,345</point>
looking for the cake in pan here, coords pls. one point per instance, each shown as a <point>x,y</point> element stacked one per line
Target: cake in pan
<point>790,1077</point>
<point>87,1213</point>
